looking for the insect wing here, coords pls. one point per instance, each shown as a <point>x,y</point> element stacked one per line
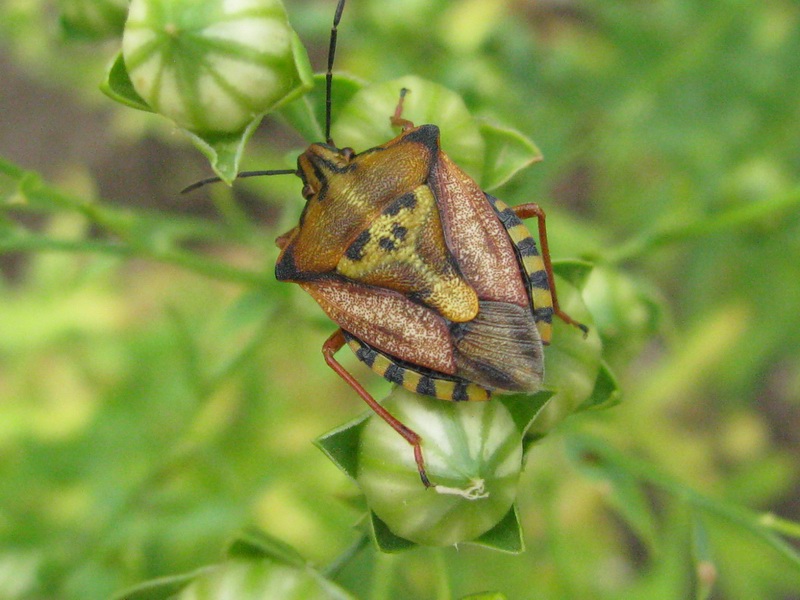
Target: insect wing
<point>388,320</point>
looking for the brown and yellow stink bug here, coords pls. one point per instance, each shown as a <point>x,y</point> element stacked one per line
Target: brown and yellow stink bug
<point>434,284</point>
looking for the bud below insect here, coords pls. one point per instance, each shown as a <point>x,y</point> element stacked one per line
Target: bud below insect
<point>473,456</point>
<point>213,65</point>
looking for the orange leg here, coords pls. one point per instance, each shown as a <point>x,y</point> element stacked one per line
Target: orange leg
<point>526,211</point>
<point>397,119</point>
<point>332,345</point>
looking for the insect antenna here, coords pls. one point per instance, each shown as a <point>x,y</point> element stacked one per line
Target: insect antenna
<point>242,175</point>
<point>329,73</point>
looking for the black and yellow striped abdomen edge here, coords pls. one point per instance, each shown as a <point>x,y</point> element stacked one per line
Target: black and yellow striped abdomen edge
<point>532,267</point>
<point>425,383</point>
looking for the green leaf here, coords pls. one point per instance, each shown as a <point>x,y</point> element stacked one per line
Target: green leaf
<point>260,579</point>
<point>307,115</point>
<point>524,408</point>
<point>507,152</point>
<point>575,271</point>
<point>506,536</point>
<point>253,543</point>
<point>118,86</point>
<point>385,539</point>
<point>224,150</point>
<point>486,596</point>
<point>301,116</point>
<point>606,393</point>
<point>364,122</point>
<point>162,588</point>
<point>341,445</point>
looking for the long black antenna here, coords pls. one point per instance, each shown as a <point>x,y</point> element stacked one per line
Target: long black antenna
<point>242,175</point>
<point>329,73</point>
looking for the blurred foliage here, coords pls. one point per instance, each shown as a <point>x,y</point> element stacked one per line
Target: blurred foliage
<point>159,390</point>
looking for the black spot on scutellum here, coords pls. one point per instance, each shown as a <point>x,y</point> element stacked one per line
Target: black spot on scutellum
<point>408,201</point>
<point>387,243</point>
<point>355,251</point>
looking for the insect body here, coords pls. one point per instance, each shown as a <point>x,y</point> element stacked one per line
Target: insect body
<point>434,284</point>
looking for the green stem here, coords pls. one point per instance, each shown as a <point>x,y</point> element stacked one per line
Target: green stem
<point>443,591</point>
<point>382,577</point>
<point>134,235</point>
<point>732,219</point>
<point>28,242</point>
<point>780,525</point>
<point>747,519</point>
<point>332,570</point>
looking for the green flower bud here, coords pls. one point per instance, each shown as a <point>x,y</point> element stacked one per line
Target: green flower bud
<point>473,454</point>
<point>213,65</point>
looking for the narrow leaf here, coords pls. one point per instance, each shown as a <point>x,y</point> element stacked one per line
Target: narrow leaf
<point>253,543</point>
<point>162,588</point>
<point>626,495</point>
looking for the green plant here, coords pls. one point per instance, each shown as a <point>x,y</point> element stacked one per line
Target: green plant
<point>160,389</point>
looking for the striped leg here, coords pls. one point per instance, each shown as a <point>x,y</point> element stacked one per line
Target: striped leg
<point>333,345</point>
<point>526,211</point>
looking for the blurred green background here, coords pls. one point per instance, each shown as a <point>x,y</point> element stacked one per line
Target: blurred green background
<point>159,390</point>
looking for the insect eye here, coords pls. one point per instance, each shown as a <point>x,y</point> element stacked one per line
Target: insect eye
<point>307,192</point>
<point>348,153</point>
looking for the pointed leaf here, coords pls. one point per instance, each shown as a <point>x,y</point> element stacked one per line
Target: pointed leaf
<point>524,408</point>
<point>253,543</point>
<point>301,116</point>
<point>162,588</point>
<point>385,539</point>
<point>606,393</point>
<point>575,271</point>
<point>224,150</point>
<point>307,115</point>
<point>118,86</point>
<point>507,152</point>
<point>506,536</point>
<point>341,445</point>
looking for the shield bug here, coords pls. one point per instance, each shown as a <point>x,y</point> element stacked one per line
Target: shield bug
<point>436,285</point>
